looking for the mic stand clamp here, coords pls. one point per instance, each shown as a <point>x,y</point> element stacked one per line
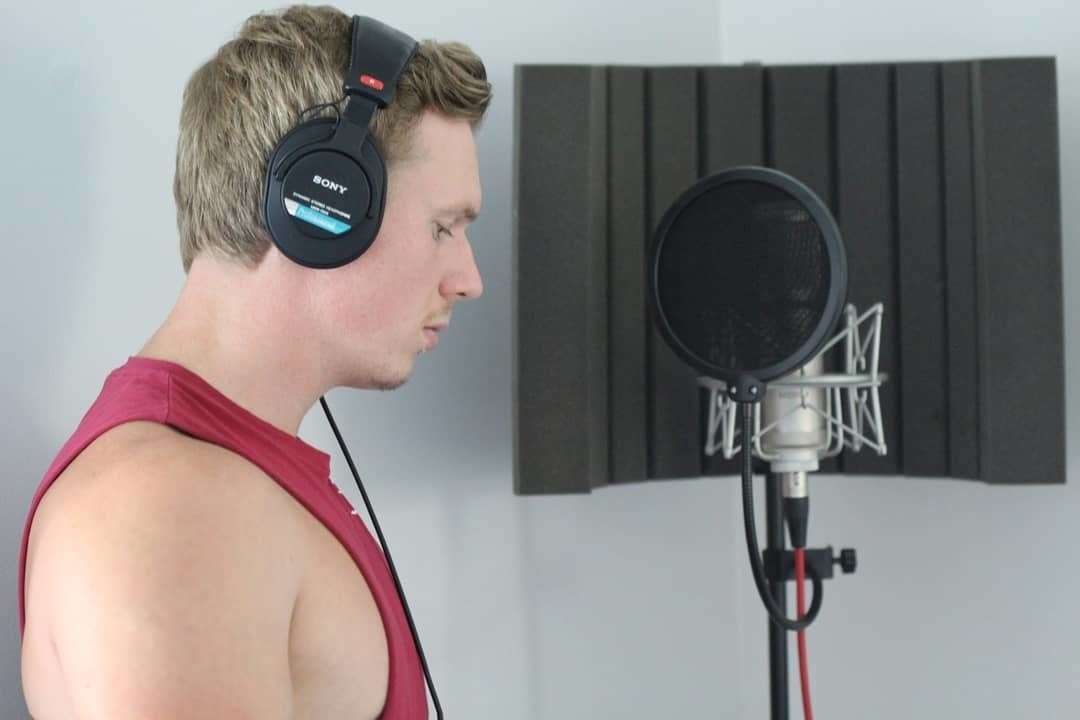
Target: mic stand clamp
<point>780,564</point>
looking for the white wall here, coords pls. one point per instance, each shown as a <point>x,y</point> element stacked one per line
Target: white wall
<point>633,602</point>
<point>963,606</point>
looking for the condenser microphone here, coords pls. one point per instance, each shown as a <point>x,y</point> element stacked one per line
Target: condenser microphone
<point>794,431</point>
<point>794,434</point>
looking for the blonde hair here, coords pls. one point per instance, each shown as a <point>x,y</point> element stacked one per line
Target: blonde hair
<point>238,104</point>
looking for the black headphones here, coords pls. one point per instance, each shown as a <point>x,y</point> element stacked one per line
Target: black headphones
<point>325,187</point>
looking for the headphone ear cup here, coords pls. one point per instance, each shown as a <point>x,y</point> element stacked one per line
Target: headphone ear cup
<point>306,133</point>
<point>323,202</point>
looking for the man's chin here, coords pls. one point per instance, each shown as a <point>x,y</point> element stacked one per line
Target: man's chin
<point>384,378</point>
<point>389,383</point>
<point>393,378</point>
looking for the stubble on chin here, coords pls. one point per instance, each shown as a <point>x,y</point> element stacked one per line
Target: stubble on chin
<point>389,383</point>
<point>384,376</point>
<point>391,378</point>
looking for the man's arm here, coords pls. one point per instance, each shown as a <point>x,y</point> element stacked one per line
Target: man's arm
<point>170,597</point>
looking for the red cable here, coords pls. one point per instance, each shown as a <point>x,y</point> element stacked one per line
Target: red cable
<point>800,595</point>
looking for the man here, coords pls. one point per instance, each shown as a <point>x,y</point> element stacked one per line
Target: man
<point>186,555</point>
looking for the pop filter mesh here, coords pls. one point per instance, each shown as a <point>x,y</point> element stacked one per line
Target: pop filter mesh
<point>743,276</point>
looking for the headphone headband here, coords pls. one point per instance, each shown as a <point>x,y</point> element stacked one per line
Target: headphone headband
<point>379,54</point>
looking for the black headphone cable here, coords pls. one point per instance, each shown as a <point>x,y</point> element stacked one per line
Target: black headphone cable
<point>389,560</point>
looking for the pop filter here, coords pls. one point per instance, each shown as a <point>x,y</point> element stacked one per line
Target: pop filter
<point>748,276</point>
<point>747,281</point>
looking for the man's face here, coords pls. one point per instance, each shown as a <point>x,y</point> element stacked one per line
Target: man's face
<point>375,309</point>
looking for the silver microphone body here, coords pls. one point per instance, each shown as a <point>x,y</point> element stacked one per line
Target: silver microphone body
<point>800,436</point>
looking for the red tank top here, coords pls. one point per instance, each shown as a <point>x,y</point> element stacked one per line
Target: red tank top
<point>166,392</point>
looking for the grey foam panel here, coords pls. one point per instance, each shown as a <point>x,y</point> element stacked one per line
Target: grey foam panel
<point>798,120</point>
<point>732,134</point>
<point>960,321</point>
<point>864,212</point>
<point>944,178</point>
<point>731,117</point>
<point>560,269</point>
<point>1019,275</point>
<point>628,239</point>
<point>921,268</point>
<point>671,106</point>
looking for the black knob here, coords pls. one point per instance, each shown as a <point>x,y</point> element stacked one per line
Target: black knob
<point>846,561</point>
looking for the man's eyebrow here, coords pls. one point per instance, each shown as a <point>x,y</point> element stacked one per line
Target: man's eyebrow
<point>460,211</point>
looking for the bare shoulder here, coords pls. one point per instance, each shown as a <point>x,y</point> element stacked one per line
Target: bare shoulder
<point>161,481</point>
<point>146,462</point>
<point>158,545</point>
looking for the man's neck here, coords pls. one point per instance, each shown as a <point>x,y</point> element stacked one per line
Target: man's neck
<point>231,327</point>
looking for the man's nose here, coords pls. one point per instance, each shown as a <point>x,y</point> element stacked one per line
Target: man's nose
<point>465,281</point>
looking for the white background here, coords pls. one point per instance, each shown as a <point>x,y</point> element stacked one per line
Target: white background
<point>632,602</point>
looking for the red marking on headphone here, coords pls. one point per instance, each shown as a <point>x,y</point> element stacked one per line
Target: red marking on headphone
<point>372,82</point>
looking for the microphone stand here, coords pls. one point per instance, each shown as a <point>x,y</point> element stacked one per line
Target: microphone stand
<point>778,647</point>
<point>779,568</point>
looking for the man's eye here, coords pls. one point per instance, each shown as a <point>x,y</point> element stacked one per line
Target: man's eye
<point>440,230</point>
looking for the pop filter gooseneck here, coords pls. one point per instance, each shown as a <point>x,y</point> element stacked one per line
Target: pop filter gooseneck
<point>747,280</point>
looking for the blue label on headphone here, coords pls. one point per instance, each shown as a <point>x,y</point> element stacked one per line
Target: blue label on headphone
<point>316,218</point>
